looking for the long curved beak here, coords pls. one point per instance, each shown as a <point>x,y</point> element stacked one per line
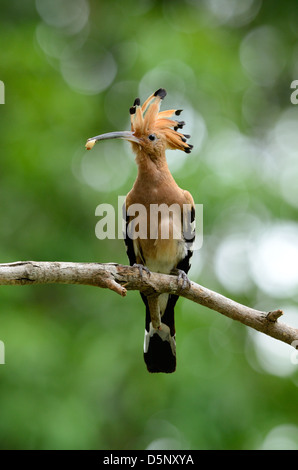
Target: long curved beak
<point>126,135</point>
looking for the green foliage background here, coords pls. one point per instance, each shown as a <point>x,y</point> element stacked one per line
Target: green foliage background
<point>74,376</point>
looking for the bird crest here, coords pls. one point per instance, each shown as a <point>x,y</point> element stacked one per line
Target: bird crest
<point>148,119</point>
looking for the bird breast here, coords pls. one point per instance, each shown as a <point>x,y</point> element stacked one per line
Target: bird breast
<point>164,246</point>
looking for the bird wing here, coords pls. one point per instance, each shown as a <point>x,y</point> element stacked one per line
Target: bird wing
<point>188,230</point>
<point>127,239</point>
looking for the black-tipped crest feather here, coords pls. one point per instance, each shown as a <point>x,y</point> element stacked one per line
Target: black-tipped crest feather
<point>161,92</point>
<point>147,119</point>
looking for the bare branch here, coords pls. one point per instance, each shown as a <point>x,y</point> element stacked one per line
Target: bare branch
<point>120,279</point>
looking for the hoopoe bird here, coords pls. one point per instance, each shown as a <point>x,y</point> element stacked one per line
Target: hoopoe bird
<point>162,245</point>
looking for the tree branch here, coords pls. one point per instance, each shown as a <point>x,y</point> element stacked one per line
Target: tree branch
<point>120,279</point>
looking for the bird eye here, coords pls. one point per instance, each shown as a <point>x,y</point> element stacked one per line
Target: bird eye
<point>152,137</point>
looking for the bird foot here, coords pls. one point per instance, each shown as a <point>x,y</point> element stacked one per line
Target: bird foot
<point>142,268</point>
<point>182,278</point>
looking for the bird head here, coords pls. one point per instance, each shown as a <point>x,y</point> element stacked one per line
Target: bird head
<point>152,131</point>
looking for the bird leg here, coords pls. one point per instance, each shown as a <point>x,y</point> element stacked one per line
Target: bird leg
<point>183,281</point>
<point>154,310</point>
<point>142,268</point>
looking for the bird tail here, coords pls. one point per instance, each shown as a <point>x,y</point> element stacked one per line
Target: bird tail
<point>160,345</point>
<point>160,349</point>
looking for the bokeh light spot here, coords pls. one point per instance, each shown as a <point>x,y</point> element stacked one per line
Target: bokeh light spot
<point>274,259</point>
<point>69,15</point>
<point>89,70</point>
<point>233,12</point>
<point>262,55</point>
<point>283,437</point>
<point>105,169</point>
<point>231,264</point>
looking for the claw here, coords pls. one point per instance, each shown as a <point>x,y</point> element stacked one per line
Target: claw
<point>182,278</point>
<point>142,268</point>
